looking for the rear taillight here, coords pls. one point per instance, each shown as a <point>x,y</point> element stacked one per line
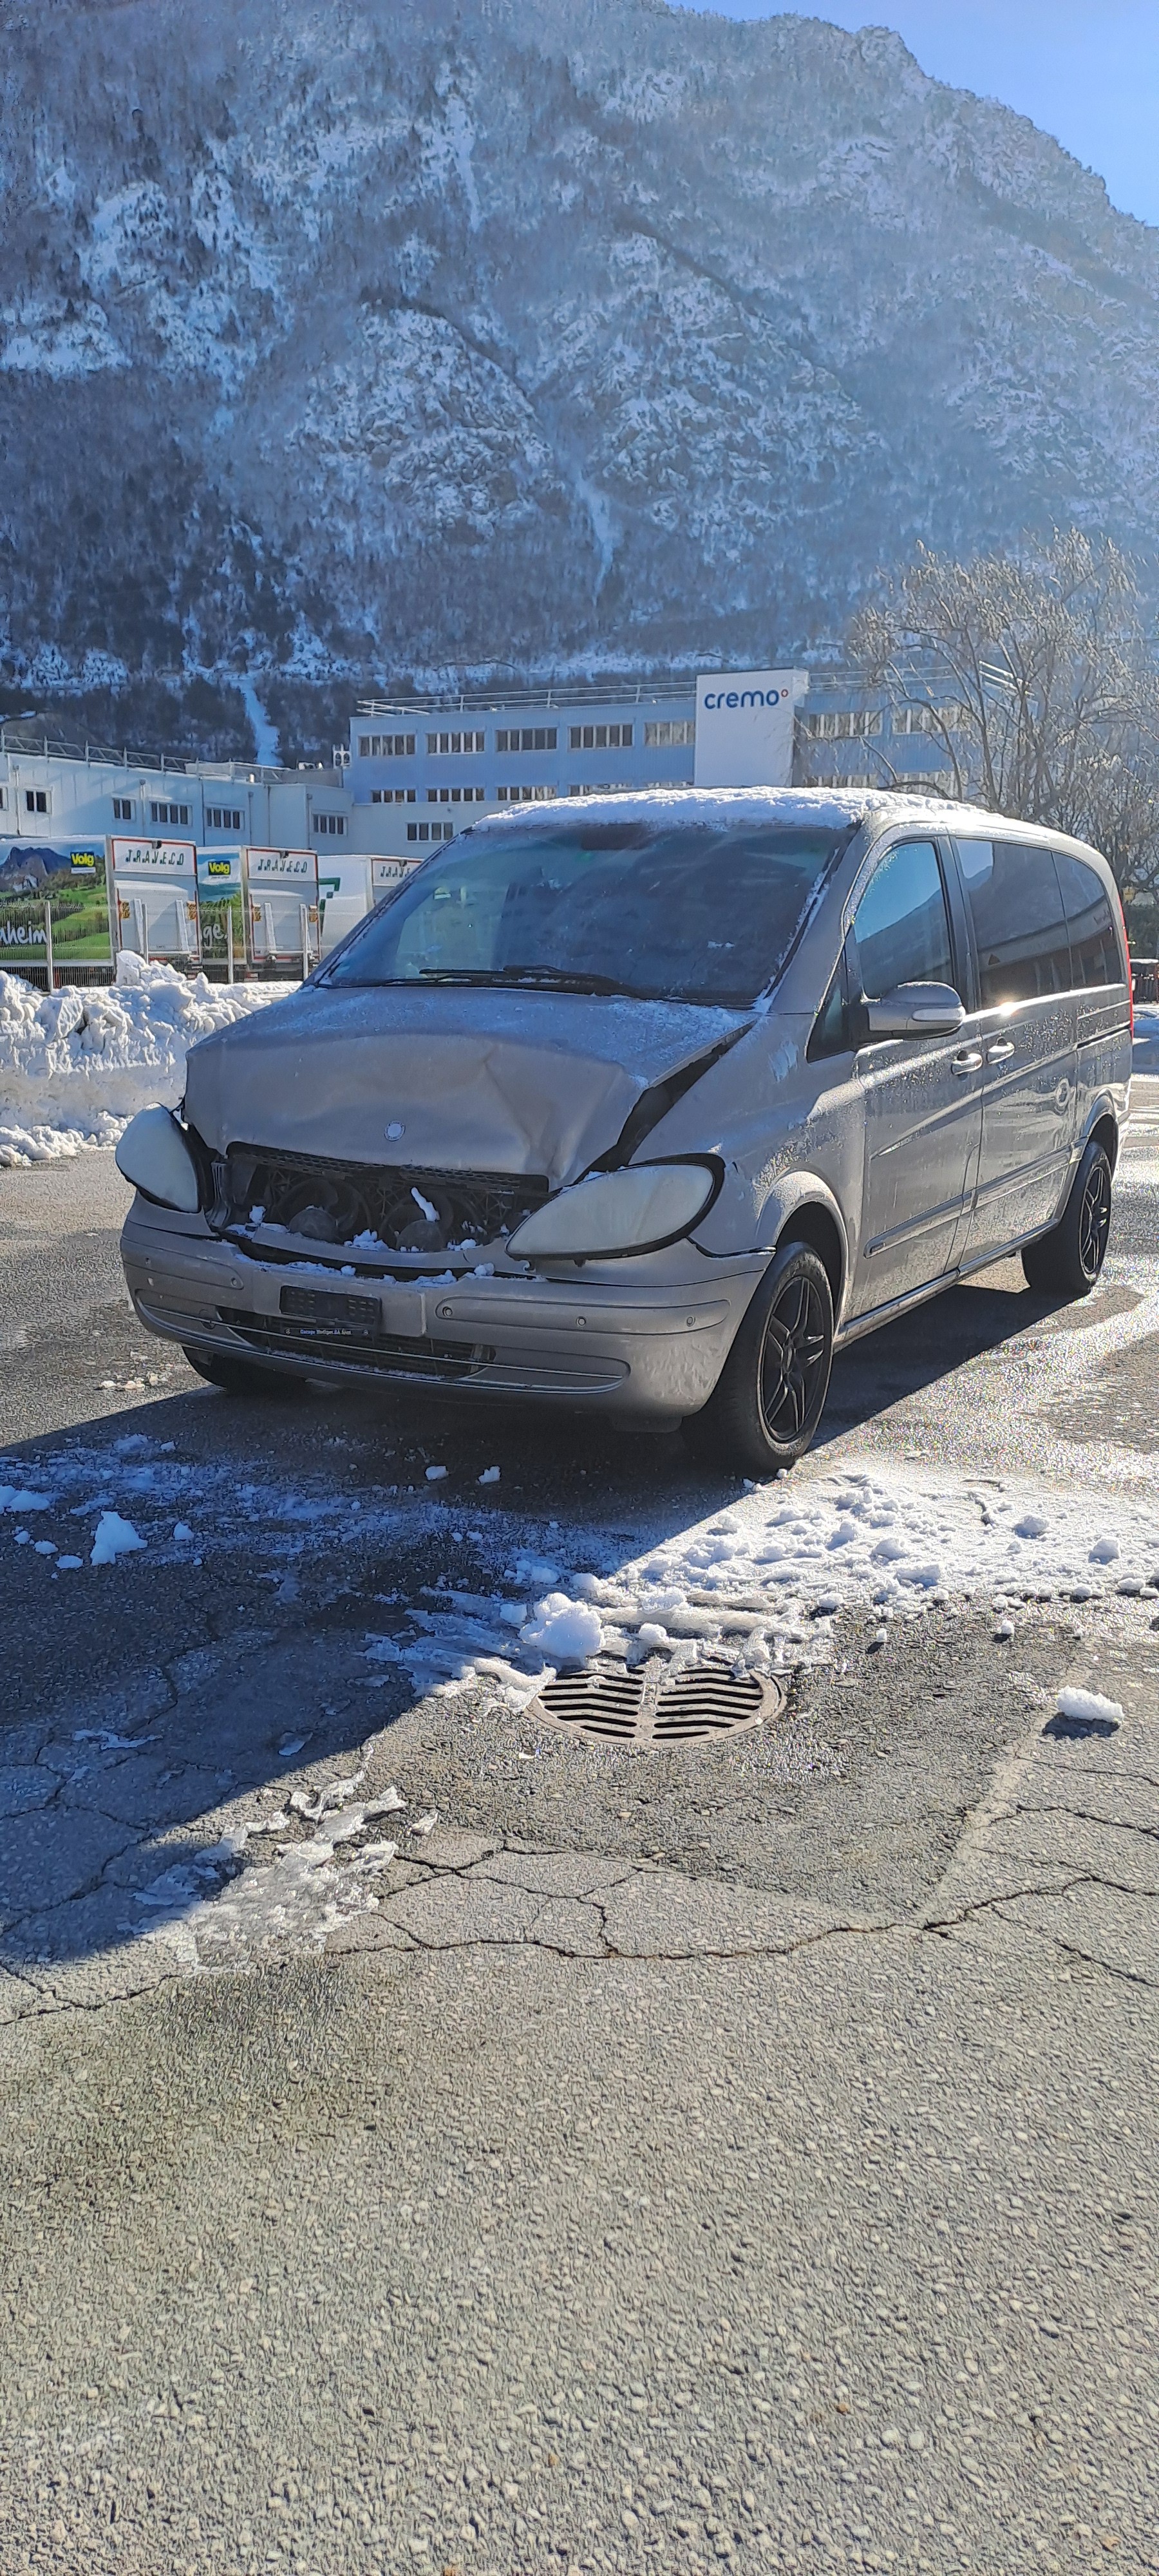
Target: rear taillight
<point>1127,955</point>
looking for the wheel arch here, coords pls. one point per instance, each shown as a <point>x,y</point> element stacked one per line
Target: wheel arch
<point>816,1220</point>
<point>1104,1131</point>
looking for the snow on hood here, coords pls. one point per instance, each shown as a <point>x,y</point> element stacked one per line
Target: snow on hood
<point>471,1080</point>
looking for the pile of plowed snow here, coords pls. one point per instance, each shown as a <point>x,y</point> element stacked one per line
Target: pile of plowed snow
<point>75,1065</point>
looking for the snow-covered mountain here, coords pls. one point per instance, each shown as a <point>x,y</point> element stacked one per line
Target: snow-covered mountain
<point>430,335</point>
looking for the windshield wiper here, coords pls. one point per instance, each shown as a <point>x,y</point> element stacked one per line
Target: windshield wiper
<point>555,979</point>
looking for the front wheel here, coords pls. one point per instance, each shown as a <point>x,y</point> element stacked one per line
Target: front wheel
<point>771,1393</point>
<point>1067,1261</point>
<point>240,1377</point>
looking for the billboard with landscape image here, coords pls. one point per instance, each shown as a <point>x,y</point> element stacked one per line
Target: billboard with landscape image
<point>220,900</point>
<point>71,877</point>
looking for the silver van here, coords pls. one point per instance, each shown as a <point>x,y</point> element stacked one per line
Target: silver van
<point>650,1103</point>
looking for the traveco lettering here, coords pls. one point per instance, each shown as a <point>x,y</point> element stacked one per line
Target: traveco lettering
<point>746,698</point>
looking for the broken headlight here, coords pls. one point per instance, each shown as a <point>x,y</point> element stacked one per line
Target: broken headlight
<point>155,1157</point>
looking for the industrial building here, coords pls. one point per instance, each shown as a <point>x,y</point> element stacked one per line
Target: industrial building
<point>417,770</point>
<point>429,765</point>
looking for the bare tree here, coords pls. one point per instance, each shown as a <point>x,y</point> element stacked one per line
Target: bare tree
<point>1034,676</point>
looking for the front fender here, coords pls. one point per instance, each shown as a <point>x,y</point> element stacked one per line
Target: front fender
<point>788,1195</point>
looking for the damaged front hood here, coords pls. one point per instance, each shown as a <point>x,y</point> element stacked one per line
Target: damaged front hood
<point>456,1079</point>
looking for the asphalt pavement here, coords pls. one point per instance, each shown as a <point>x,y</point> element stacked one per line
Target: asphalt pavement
<point>740,2154</point>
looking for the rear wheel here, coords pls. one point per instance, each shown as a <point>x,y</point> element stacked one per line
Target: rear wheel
<point>1067,1261</point>
<point>240,1377</point>
<point>766,1407</point>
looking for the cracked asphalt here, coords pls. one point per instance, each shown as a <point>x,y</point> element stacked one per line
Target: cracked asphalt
<point>740,2155</point>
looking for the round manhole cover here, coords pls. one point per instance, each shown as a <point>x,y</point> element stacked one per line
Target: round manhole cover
<point>652,1705</point>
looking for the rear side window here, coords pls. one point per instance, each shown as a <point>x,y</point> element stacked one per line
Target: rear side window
<point>901,925</point>
<point>1019,923</point>
<point>1093,941</point>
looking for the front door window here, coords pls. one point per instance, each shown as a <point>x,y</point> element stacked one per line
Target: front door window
<point>901,926</point>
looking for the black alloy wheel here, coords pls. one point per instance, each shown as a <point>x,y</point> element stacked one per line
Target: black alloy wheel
<point>1067,1261</point>
<point>771,1392</point>
<point>795,1359</point>
<point>1094,1221</point>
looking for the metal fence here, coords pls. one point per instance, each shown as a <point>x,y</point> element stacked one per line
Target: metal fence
<point>83,976</point>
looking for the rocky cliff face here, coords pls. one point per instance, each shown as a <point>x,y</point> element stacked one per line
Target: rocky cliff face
<point>465,334</point>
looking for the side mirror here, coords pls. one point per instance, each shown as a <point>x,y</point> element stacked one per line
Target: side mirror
<point>914,1011</point>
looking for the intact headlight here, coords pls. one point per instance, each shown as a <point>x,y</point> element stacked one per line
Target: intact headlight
<point>154,1156</point>
<point>638,1210</point>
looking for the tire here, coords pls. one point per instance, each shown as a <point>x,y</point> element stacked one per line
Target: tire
<point>240,1377</point>
<point>1067,1261</point>
<point>771,1392</point>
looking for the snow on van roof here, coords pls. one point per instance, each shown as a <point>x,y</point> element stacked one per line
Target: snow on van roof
<point>719,805</point>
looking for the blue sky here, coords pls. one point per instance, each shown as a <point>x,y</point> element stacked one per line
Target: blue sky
<point>1088,74</point>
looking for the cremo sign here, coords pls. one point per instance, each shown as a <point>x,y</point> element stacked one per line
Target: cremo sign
<point>744,697</point>
<point>744,727</point>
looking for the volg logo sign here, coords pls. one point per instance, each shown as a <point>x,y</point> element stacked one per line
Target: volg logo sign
<point>744,727</point>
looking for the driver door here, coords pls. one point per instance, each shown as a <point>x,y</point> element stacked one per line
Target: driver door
<point>922,1096</point>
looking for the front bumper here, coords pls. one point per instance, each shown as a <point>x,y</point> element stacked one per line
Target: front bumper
<point>631,1341</point>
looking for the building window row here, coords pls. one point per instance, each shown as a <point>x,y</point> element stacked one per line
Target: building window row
<point>37,800</point>
<point>599,737</point>
<point>430,831</point>
<point>670,734</point>
<point>122,809</point>
<point>526,795</point>
<point>386,746</point>
<point>330,826</point>
<point>526,738</point>
<point>392,796</point>
<point>164,813</point>
<point>456,742</point>
<point>457,795</point>
<point>223,818</point>
<point>842,724</point>
<point>848,778</point>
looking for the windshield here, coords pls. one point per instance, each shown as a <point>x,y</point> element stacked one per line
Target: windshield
<point>692,912</point>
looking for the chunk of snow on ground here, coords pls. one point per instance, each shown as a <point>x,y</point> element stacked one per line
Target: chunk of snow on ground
<point>433,1474</point>
<point>340,1828</point>
<point>390,1804</point>
<point>490,1476</point>
<point>566,1631</point>
<point>114,1537</point>
<point>426,1824</point>
<point>1104,1551</point>
<point>181,1530</point>
<point>68,1564</point>
<point>292,1745</point>
<point>1088,1705</point>
<point>376,1856</point>
<point>16,1498</point>
<point>1031,1526</point>
<point>651,1635</point>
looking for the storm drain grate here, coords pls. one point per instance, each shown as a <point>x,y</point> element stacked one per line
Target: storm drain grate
<point>702,1702</point>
